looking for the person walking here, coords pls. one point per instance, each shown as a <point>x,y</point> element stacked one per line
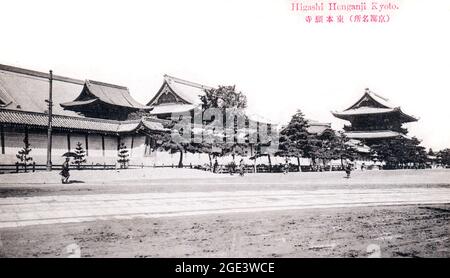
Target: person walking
<point>65,171</point>
<point>348,169</point>
<point>241,168</point>
<point>215,166</point>
<point>286,166</point>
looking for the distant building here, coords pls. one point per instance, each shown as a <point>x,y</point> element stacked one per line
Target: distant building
<point>90,112</point>
<point>373,118</point>
<point>176,96</point>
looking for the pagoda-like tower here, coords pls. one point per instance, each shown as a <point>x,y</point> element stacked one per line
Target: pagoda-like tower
<point>373,118</point>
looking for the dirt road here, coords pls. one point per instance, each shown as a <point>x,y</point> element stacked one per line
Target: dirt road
<point>393,231</point>
<point>380,213</point>
<point>17,212</point>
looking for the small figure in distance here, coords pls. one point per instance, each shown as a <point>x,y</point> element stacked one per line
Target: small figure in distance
<point>65,171</point>
<point>286,166</point>
<point>241,168</point>
<point>348,169</point>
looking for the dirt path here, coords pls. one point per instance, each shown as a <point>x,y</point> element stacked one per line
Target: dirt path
<point>16,212</point>
<point>400,231</point>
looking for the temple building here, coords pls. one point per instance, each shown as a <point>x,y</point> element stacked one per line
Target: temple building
<point>88,112</point>
<point>374,118</point>
<point>180,96</point>
<point>176,96</point>
<point>106,101</point>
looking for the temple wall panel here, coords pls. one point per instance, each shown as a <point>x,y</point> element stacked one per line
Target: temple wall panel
<point>110,150</point>
<point>59,146</point>
<point>13,142</point>
<point>138,147</point>
<point>95,146</point>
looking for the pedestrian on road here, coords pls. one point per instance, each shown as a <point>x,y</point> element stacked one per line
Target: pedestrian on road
<point>348,169</point>
<point>286,166</point>
<point>215,166</point>
<point>65,171</point>
<point>241,168</point>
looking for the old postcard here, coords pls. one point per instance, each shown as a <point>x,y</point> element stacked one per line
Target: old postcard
<point>224,129</point>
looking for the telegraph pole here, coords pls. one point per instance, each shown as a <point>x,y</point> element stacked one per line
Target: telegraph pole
<point>49,130</point>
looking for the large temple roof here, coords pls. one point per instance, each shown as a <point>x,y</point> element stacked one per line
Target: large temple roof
<point>94,91</point>
<point>372,104</point>
<point>27,90</point>
<point>186,92</point>
<point>178,95</point>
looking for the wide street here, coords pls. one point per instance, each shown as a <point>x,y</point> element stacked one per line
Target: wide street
<point>37,199</point>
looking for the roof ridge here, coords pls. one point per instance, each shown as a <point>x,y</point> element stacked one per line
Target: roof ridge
<point>90,81</point>
<point>186,82</point>
<point>377,95</point>
<point>40,74</point>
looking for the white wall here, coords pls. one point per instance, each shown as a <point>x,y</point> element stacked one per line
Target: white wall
<point>38,141</point>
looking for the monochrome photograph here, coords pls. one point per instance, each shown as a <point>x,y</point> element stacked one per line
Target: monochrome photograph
<point>224,129</point>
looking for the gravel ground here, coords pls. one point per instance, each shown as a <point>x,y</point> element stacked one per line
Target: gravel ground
<point>394,231</point>
<point>189,180</point>
<point>386,231</point>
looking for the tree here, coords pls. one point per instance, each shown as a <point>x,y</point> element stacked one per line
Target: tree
<point>416,154</point>
<point>229,101</point>
<point>174,142</point>
<point>398,152</point>
<point>223,97</point>
<point>342,149</point>
<point>24,154</point>
<point>329,146</point>
<point>295,140</point>
<point>123,156</point>
<point>444,156</point>
<point>261,148</point>
<point>80,157</point>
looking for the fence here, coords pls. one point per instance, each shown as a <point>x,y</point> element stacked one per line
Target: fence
<point>33,167</point>
<point>224,169</point>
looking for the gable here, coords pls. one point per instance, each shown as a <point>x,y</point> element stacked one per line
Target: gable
<point>367,101</point>
<point>166,95</point>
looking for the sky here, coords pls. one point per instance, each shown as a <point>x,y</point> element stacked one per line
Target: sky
<point>264,48</point>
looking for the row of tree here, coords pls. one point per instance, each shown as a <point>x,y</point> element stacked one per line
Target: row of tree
<point>295,140</point>
<point>26,160</point>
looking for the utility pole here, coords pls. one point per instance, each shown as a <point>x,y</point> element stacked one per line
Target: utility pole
<point>49,131</point>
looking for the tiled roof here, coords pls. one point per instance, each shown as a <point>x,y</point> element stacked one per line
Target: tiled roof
<point>358,145</point>
<point>27,90</point>
<point>372,103</point>
<point>187,90</point>
<point>376,99</point>
<point>171,108</point>
<point>374,134</point>
<point>317,127</point>
<point>348,114</point>
<point>365,110</point>
<point>74,123</point>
